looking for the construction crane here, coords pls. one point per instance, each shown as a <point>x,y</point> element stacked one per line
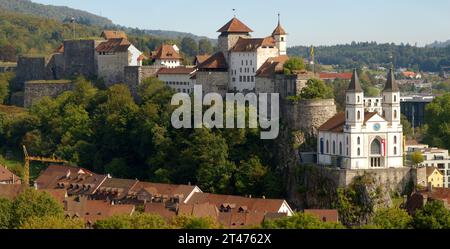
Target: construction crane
<point>28,159</point>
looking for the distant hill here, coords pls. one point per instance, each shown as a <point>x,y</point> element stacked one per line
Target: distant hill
<point>59,13</point>
<point>437,44</point>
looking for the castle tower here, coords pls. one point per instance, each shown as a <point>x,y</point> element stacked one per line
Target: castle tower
<point>280,36</point>
<point>230,34</point>
<point>354,109</point>
<point>391,100</point>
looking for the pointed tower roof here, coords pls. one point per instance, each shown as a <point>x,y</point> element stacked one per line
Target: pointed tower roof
<point>279,29</point>
<point>355,86</point>
<point>391,84</point>
<point>235,26</point>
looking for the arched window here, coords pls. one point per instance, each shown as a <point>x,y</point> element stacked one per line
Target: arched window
<point>359,140</point>
<point>346,141</point>
<point>321,146</point>
<point>348,99</point>
<point>334,147</point>
<point>395,151</point>
<point>395,139</point>
<point>328,147</point>
<point>347,151</point>
<point>346,115</point>
<point>359,99</point>
<point>375,148</point>
<point>359,115</point>
<point>395,98</point>
<point>395,114</point>
<point>359,151</point>
<point>340,148</point>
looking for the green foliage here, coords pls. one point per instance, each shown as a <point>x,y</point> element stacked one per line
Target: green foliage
<point>135,221</point>
<point>53,222</point>
<point>205,47</point>
<point>293,64</point>
<point>188,222</point>
<point>407,127</point>
<point>300,221</point>
<point>434,215</point>
<point>438,120</point>
<point>417,157</point>
<point>5,79</point>
<point>392,218</point>
<point>316,89</point>
<point>5,213</point>
<point>31,203</point>
<point>189,46</point>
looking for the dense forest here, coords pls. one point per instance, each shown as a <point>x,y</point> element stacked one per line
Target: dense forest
<point>374,54</point>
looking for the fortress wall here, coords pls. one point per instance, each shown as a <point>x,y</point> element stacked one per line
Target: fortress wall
<point>36,90</point>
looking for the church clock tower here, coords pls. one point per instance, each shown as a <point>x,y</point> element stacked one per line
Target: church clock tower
<point>280,36</point>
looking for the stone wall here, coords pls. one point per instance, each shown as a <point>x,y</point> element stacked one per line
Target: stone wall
<point>29,68</point>
<point>36,90</point>
<point>134,75</point>
<point>307,115</point>
<point>80,57</point>
<point>213,82</point>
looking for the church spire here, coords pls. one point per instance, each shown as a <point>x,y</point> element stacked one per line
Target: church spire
<point>391,84</point>
<point>354,86</point>
<point>279,29</point>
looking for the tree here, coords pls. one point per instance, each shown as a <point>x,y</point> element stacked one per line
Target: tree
<point>205,47</point>
<point>407,127</point>
<point>316,89</point>
<point>293,64</point>
<point>5,213</point>
<point>438,121</point>
<point>250,175</point>
<point>189,222</point>
<point>8,53</point>
<point>32,203</point>
<point>417,158</point>
<point>189,46</point>
<point>392,218</point>
<point>5,79</point>
<point>433,215</point>
<point>300,221</point>
<point>53,222</point>
<point>135,221</point>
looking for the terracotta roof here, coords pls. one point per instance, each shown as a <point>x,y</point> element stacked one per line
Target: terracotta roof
<point>342,76</point>
<point>251,204</point>
<point>113,34</point>
<point>326,215</point>
<point>236,220</point>
<point>354,85</point>
<point>391,84</point>
<point>201,58</point>
<point>336,123</point>
<point>216,61</point>
<point>159,209</point>
<point>142,57</point>
<point>201,210</point>
<point>235,26</point>
<point>252,44</point>
<point>114,45</point>
<point>7,176</point>
<point>73,179</point>
<point>94,210</point>
<point>59,194</point>
<point>272,66</point>
<point>115,188</point>
<point>279,30</point>
<point>166,52</point>
<point>10,191</point>
<point>176,70</point>
<point>163,189</point>
<point>431,170</point>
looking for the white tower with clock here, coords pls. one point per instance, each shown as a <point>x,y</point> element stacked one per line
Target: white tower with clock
<point>357,139</point>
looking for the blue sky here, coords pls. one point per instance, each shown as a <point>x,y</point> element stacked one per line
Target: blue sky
<point>313,22</point>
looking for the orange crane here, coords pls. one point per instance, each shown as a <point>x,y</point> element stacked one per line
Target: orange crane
<point>28,159</point>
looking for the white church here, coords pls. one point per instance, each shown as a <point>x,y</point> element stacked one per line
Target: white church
<point>357,139</point>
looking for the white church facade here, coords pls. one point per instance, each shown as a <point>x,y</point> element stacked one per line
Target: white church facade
<point>357,139</point>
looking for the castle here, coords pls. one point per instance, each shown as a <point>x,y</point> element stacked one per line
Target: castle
<point>358,139</point>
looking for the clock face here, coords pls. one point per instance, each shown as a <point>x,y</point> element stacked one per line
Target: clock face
<point>376,127</point>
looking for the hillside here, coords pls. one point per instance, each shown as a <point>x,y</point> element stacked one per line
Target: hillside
<point>59,13</point>
<point>373,54</point>
<point>437,44</point>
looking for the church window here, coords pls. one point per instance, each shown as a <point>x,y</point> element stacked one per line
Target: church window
<point>395,139</point>
<point>375,148</point>
<point>395,150</point>
<point>395,98</point>
<point>340,148</point>
<point>395,114</point>
<point>334,147</point>
<point>328,147</point>
<point>346,115</point>
<point>347,141</point>
<point>282,39</point>
<point>359,115</point>
<point>347,151</point>
<point>321,146</point>
<point>359,140</point>
<point>359,151</point>
<point>359,99</point>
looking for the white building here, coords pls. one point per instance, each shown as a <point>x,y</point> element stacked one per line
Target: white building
<point>181,79</point>
<point>113,56</point>
<point>245,55</point>
<point>167,55</point>
<point>358,139</point>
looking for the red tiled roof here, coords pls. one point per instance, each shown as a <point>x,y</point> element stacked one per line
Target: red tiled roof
<point>114,45</point>
<point>159,209</point>
<point>332,76</point>
<point>8,177</point>
<point>94,210</point>
<point>113,34</point>
<point>201,58</point>
<point>58,194</point>
<point>252,44</point>
<point>115,188</point>
<point>166,52</point>
<point>176,70</point>
<point>10,191</point>
<point>235,26</point>
<point>216,61</point>
<point>163,189</point>
<point>201,210</point>
<point>272,66</point>
<point>336,123</point>
<point>326,215</point>
<point>279,30</point>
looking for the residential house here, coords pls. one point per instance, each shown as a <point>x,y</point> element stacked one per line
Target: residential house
<point>7,177</point>
<point>180,79</point>
<point>167,55</point>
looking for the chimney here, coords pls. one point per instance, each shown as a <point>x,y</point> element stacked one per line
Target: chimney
<point>68,173</point>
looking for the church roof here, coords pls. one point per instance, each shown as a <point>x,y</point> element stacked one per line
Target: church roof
<point>336,124</point>
<point>216,61</point>
<point>391,84</point>
<point>235,26</point>
<point>279,30</point>
<point>355,85</point>
<point>252,44</point>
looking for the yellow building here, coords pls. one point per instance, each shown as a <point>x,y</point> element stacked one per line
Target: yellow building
<point>435,177</point>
